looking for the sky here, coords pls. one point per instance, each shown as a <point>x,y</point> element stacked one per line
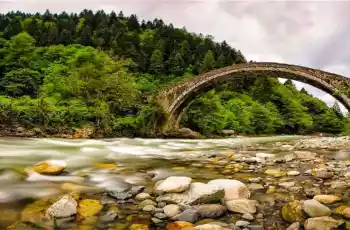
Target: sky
<point>308,33</point>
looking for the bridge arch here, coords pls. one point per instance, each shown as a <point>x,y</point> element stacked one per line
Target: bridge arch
<point>175,98</point>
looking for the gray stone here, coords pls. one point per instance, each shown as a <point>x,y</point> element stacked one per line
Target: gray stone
<point>149,208</point>
<point>156,220</point>
<point>294,226</point>
<point>287,185</point>
<point>242,223</point>
<point>147,202</point>
<point>64,207</point>
<point>211,211</point>
<point>248,216</point>
<point>242,206</point>
<point>173,184</point>
<point>322,223</point>
<point>126,194</point>
<point>315,209</point>
<point>197,193</point>
<point>160,216</point>
<point>255,187</point>
<point>142,196</point>
<point>189,215</point>
<point>172,210</point>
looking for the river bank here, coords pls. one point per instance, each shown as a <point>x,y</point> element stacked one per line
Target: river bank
<point>240,183</point>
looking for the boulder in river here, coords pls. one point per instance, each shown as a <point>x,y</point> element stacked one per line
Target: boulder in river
<point>234,189</point>
<point>322,223</point>
<point>242,206</point>
<point>315,209</point>
<point>63,208</point>
<point>173,184</point>
<point>50,167</point>
<point>196,194</point>
<point>293,212</point>
<point>123,195</point>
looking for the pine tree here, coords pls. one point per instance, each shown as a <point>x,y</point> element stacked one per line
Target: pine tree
<point>156,63</point>
<point>86,36</point>
<point>208,62</point>
<point>176,64</point>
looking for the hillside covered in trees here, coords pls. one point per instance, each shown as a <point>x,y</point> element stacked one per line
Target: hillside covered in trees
<point>61,72</point>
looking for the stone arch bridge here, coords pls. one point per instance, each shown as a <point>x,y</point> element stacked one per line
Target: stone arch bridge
<point>176,98</point>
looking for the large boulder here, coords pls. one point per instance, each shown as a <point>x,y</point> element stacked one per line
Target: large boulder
<point>196,194</point>
<point>322,223</point>
<point>63,208</point>
<point>234,189</point>
<point>173,184</point>
<point>242,206</point>
<point>293,212</point>
<point>186,133</point>
<point>315,209</point>
<point>50,167</point>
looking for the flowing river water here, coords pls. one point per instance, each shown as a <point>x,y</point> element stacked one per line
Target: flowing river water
<point>96,167</point>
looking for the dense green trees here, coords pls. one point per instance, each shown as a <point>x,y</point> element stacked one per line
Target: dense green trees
<point>64,71</point>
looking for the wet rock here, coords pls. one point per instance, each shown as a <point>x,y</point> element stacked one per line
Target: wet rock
<point>255,187</point>
<point>197,193</point>
<point>305,155</point>
<point>64,207</point>
<point>110,214</point>
<point>293,212</point>
<point>293,173</point>
<point>209,226</point>
<point>138,227</point>
<point>248,216</point>
<point>25,225</point>
<point>156,220</point>
<point>178,225</point>
<point>147,202</point>
<point>189,215</point>
<point>186,133</point>
<point>8,217</point>
<point>289,157</point>
<point>315,209</point>
<point>160,216</point>
<point>294,226</point>
<point>171,210</point>
<point>242,223</point>
<point>311,192</point>
<point>161,204</point>
<point>264,156</point>
<point>287,185</point>
<point>271,189</point>
<point>322,223</point>
<point>339,185</point>
<point>50,167</point>
<point>149,208</point>
<point>323,174</point>
<point>242,206</point>
<point>211,210</point>
<point>255,180</point>
<point>142,196</point>
<point>234,189</point>
<point>89,207</point>
<point>327,199</point>
<point>173,184</point>
<point>275,172</point>
<point>123,195</point>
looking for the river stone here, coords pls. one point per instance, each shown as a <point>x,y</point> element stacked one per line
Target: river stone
<point>287,185</point>
<point>64,207</point>
<point>178,225</point>
<point>293,173</point>
<point>172,210</point>
<point>315,209</point>
<point>138,227</point>
<point>197,193</point>
<point>147,202</point>
<point>255,187</point>
<point>248,216</point>
<point>234,189</point>
<point>346,212</point>
<point>50,167</point>
<point>126,194</point>
<point>242,223</point>
<point>142,196</point>
<point>322,173</point>
<point>89,207</point>
<point>327,199</point>
<point>211,211</point>
<point>149,208</point>
<point>275,172</point>
<point>25,225</point>
<point>305,155</point>
<point>160,216</point>
<point>322,223</point>
<point>173,184</point>
<point>189,215</point>
<point>209,226</point>
<point>293,212</point>
<point>294,226</point>
<point>264,156</point>
<point>242,206</point>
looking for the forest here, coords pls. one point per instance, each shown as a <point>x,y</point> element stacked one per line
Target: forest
<point>62,72</point>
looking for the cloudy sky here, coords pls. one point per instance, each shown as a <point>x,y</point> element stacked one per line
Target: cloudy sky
<point>309,33</point>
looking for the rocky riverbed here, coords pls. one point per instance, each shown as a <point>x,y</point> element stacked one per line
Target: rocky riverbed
<point>300,184</point>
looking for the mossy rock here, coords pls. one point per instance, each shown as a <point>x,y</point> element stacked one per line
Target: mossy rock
<point>89,207</point>
<point>293,212</point>
<point>26,225</point>
<point>35,212</point>
<point>138,227</point>
<point>120,226</point>
<point>339,210</point>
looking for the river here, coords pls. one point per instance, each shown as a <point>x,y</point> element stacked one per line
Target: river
<point>96,167</point>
